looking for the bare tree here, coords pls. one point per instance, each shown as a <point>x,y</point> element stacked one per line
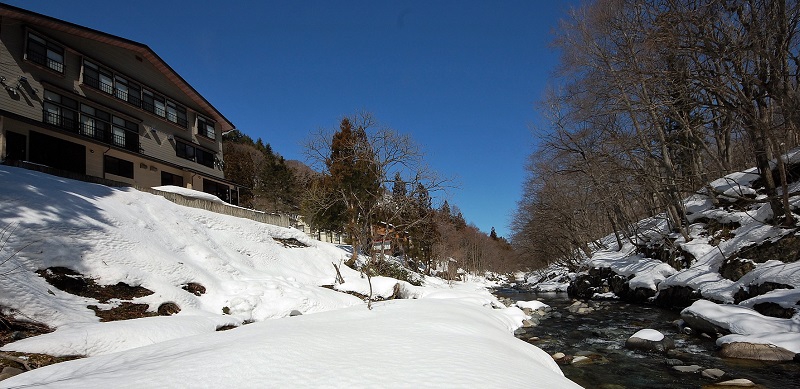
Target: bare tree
<point>357,173</point>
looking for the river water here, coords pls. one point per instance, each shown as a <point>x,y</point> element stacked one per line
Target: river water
<point>604,331</point>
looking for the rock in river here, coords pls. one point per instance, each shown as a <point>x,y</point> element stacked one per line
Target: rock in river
<point>762,352</point>
<point>650,340</point>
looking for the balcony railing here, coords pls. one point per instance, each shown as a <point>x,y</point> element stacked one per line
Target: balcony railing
<point>42,59</point>
<point>133,99</point>
<point>124,138</point>
<point>97,84</point>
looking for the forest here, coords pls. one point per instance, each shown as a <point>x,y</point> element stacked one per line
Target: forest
<point>363,177</point>
<point>654,100</point>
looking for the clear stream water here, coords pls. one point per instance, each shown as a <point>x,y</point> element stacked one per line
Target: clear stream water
<point>605,331</point>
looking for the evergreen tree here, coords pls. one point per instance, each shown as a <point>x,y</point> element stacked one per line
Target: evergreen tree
<point>445,210</point>
<point>493,234</point>
<point>399,186</point>
<point>347,195</point>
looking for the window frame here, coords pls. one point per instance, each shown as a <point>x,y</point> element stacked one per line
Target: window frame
<point>168,178</point>
<point>38,50</point>
<point>206,128</point>
<point>124,88</point>
<point>118,166</point>
<point>197,153</point>
<point>87,120</point>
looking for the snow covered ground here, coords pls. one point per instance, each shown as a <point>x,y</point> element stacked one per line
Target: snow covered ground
<point>449,335</point>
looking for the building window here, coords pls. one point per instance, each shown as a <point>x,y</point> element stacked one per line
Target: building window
<point>184,150</point>
<point>205,158</point>
<point>94,122</point>
<point>118,167</point>
<point>124,89</point>
<point>45,53</point>
<point>153,102</point>
<point>89,121</point>
<point>127,91</point>
<point>60,111</point>
<point>205,127</point>
<point>192,153</point>
<point>176,113</point>
<point>220,190</point>
<point>171,179</point>
<point>123,131</point>
<point>97,77</point>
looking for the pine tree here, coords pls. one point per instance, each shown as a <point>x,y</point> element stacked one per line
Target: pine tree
<point>445,210</point>
<point>399,186</point>
<point>352,187</point>
<point>493,234</point>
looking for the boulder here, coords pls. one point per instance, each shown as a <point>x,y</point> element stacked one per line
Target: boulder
<point>688,368</point>
<point>580,308</point>
<point>579,359</point>
<point>761,352</point>
<point>649,340</point>
<point>774,310</point>
<point>753,290</point>
<point>168,308</point>
<point>737,383</point>
<point>677,297</point>
<point>701,325</point>
<point>714,374</point>
<point>9,372</point>
<point>673,362</point>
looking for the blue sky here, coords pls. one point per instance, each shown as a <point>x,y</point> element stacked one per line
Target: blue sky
<point>462,77</point>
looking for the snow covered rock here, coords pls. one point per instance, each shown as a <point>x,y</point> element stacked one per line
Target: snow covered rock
<point>706,316</point>
<point>650,340</point>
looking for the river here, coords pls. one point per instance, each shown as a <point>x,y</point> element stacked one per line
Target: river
<point>602,335</point>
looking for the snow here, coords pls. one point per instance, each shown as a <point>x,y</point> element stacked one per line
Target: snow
<point>447,344</point>
<point>649,334</point>
<point>534,305</point>
<point>747,325</point>
<point>190,193</point>
<point>450,335</point>
<point>786,298</point>
<point>736,230</point>
<point>787,340</point>
<point>647,273</point>
<point>105,338</point>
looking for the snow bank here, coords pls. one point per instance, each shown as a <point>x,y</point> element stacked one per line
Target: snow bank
<point>449,336</point>
<point>105,338</point>
<point>748,326</point>
<point>400,343</point>
<point>190,193</point>
<point>123,235</point>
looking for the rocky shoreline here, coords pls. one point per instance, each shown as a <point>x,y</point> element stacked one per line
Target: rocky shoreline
<point>647,342</point>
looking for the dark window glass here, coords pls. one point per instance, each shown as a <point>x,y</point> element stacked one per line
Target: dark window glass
<point>220,190</point>
<point>45,53</point>
<point>205,158</point>
<point>119,167</point>
<point>205,127</point>
<point>171,179</point>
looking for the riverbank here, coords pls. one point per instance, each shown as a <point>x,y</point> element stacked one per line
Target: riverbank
<point>592,341</point>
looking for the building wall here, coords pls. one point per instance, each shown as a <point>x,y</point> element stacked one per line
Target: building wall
<point>157,136</point>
